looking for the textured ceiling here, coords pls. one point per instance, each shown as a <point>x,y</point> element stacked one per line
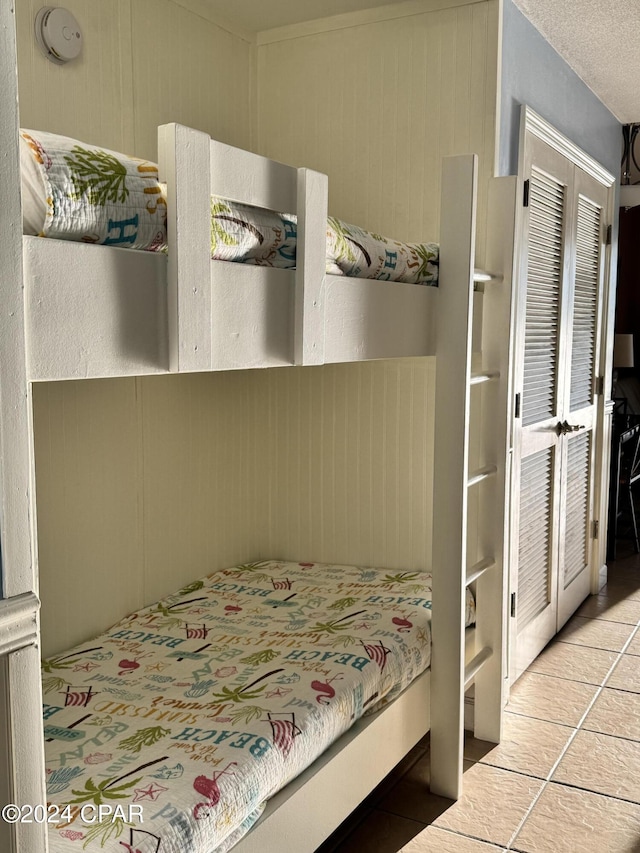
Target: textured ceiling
<point>597,38</point>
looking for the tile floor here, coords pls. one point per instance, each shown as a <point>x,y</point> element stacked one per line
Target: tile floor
<point>566,776</point>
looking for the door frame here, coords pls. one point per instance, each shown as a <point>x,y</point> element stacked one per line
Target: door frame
<point>534,125</point>
<point>21,725</point>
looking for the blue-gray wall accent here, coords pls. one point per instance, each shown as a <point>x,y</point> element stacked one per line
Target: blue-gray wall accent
<point>534,74</point>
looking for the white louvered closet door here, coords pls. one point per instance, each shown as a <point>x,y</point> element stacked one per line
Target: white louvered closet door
<point>557,349</point>
<point>585,296</point>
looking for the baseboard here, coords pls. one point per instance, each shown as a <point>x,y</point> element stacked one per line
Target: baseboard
<point>602,577</point>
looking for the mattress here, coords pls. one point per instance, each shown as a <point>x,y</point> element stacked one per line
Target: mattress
<point>79,192</point>
<point>167,733</point>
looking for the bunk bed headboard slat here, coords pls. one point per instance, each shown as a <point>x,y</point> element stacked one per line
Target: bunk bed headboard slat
<point>183,156</point>
<point>251,179</point>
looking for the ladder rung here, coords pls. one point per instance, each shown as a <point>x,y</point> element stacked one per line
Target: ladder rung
<point>479,568</point>
<point>485,275</point>
<point>479,378</point>
<point>472,668</point>
<point>481,474</point>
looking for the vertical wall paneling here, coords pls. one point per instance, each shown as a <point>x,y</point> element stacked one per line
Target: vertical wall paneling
<point>91,98</point>
<point>187,69</point>
<point>87,472</point>
<point>144,484</point>
<point>378,104</point>
<point>350,460</point>
<point>144,63</point>
<point>203,493</point>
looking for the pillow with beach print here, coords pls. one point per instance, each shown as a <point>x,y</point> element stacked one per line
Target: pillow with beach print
<point>95,195</point>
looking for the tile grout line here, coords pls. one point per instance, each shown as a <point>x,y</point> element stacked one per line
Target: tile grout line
<point>573,736</point>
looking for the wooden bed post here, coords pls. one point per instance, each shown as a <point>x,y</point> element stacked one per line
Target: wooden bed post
<point>21,740</point>
<point>184,162</point>
<point>311,253</point>
<point>451,463</point>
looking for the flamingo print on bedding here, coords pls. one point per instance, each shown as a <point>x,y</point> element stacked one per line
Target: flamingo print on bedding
<point>182,719</point>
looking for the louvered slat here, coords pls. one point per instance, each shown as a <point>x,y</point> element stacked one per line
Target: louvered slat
<point>577,503</point>
<point>544,274</point>
<point>589,229</point>
<point>534,553</point>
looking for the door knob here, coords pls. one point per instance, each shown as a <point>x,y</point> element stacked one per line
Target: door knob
<point>563,427</point>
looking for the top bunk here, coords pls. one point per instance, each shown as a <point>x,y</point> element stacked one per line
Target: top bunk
<point>182,306</point>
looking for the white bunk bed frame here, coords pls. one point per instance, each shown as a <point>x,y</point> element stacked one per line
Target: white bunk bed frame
<point>77,319</point>
<point>243,317</point>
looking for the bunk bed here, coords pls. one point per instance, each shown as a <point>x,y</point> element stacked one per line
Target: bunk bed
<point>256,314</point>
<point>98,311</point>
<point>190,713</point>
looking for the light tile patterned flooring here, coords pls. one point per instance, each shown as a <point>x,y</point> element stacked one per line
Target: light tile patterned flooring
<point>566,776</point>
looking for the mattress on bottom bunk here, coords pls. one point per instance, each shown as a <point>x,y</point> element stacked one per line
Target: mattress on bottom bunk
<point>78,192</point>
<point>182,719</point>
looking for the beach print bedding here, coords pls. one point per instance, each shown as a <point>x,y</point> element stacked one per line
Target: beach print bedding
<point>78,192</point>
<point>181,720</point>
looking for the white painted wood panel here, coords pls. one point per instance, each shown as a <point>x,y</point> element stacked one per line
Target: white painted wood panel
<point>376,319</point>
<point>451,472</point>
<point>349,450</point>
<point>7,830</point>
<point>188,70</point>
<point>18,572</point>
<point>144,63</point>
<point>377,105</point>
<point>204,488</point>
<point>144,485</point>
<point>93,311</point>
<point>92,98</point>
<point>27,783</point>
<point>88,473</point>
<point>253,309</point>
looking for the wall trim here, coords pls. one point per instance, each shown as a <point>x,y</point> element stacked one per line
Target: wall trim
<point>356,19</point>
<point>18,622</point>
<point>531,122</point>
<point>203,10</point>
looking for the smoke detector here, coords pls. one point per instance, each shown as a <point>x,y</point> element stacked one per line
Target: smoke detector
<point>58,34</point>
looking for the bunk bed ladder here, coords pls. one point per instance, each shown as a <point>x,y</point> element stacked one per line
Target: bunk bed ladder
<point>470,400</point>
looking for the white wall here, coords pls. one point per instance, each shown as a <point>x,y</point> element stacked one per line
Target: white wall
<point>142,486</point>
<point>375,100</point>
<point>144,62</point>
<point>145,484</point>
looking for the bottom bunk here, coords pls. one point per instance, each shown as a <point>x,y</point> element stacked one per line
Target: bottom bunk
<point>171,730</point>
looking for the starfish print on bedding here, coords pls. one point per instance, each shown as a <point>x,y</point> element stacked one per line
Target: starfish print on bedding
<point>279,691</point>
<point>150,793</point>
<point>86,667</point>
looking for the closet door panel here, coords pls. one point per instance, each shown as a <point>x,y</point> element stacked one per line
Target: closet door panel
<point>537,554</point>
<point>541,347</point>
<point>580,404</point>
<point>561,290</point>
<point>544,286</point>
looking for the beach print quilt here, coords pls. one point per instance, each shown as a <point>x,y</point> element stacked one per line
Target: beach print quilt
<point>167,733</point>
<point>79,192</point>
